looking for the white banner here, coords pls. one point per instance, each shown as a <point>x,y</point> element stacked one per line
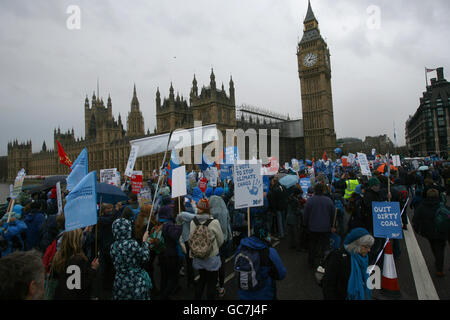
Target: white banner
<point>179,182</point>
<point>180,139</point>
<point>131,160</point>
<point>248,186</point>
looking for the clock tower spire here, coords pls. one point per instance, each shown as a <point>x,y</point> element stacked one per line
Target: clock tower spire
<point>314,71</point>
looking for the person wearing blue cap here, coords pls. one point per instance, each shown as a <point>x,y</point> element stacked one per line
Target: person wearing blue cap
<point>346,269</point>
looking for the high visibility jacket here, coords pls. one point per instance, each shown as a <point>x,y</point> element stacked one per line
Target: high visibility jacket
<point>351,186</point>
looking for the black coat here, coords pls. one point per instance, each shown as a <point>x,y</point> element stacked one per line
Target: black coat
<point>337,273</point>
<point>278,198</point>
<point>423,220</point>
<point>366,208</point>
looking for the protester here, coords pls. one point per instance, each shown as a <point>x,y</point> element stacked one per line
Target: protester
<point>69,260</point>
<point>132,282</point>
<point>34,220</point>
<point>219,211</point>
<point>271,267</point>
<point>278,204</point>
<point>208,265</point>
<point>424,224</point>
<point>294,217</point>
<point>346,268</point>
<point>169,259</point>
<point>22,276</point>
<point>318,217</point>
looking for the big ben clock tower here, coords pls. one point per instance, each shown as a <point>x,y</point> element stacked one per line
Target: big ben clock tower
<point>314,70</point>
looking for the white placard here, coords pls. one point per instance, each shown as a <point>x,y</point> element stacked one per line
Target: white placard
<point>59,197</point>
<point>396,161</point>
<point>351,158</point>
<point>179,182</point>
<point>211,174</point>
<point>248,186</point>
<point>109,176</point>
<point>131,160</point>
<point>364,164</point>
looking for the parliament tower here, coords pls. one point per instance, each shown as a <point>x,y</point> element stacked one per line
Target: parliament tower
<point>315,84</point>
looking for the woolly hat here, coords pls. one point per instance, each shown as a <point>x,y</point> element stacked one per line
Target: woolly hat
<point>354,235</point>
<point>197,194</point>
<point>165,212</point>
<point>209,192</point>
<point>203,204</point>
<point>218,192</point>
<point>53,193</point>
<point>373,182</point>
<point>358,189</point>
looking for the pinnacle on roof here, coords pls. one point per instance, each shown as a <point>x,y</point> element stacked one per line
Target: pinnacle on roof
<point>310,14</point>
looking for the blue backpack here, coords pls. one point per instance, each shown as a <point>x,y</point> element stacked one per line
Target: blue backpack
<point>248,267</point>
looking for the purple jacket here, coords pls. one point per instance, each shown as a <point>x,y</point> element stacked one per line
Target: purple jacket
<point>319,214</point>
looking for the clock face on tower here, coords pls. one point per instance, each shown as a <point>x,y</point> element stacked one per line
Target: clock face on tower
<point>309,60</point>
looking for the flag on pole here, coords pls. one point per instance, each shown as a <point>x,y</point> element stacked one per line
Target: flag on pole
<point>174,163</point>
<point>79,170</point>
<point>429,70</point>
<point>81,204</point>
<point>395,136</point>
<point>63,158</point>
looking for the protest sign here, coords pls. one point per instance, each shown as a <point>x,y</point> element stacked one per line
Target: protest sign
<point>396,161</point>
<point>131,160</point>
<point>59,197</point>
<point>248,186</point>
<point>18,183</point>
<point>305,183</point>
<point>145,196</point>
<point>109,176</point>
<point>295,165</point>
<point>387,221</point>
<point>364,164</point>
<point>226,172</point>
<point>179,182</point>
<point>351,158</point>
<point>81,204</point>
<point>271,168</point>
<point>136,182</point>
<point>211,175</point>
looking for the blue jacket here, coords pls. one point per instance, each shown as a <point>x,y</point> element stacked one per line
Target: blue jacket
<point>268,292</point>
<point>34,221</point>
<point>12,231</point>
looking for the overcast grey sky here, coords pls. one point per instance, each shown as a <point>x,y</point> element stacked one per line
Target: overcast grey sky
<point>377,74</point>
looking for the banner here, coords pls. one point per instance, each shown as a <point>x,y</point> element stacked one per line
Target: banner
<point>131,160</point>
<point>81,204</point>
<point>79,170</point>
<point>226,171</point>
<point>179,182</point>
<point>137,182</point>
<point>387,221</point>
<point>364,164</point>
<point>248,186</point>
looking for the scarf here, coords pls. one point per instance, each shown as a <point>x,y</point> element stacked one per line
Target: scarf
<point>357,284</point>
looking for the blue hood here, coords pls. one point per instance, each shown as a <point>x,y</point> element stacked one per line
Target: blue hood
<point>254,243</point>
<point>197,194</point>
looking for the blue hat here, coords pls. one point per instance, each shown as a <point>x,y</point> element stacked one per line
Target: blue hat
<point>358,189</point>
<point>197,194</point>
<point>209,192</point>
<point>218,192</point>
<point>354,235</point>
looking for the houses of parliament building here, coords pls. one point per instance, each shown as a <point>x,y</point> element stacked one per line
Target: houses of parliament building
<point>108,142</point>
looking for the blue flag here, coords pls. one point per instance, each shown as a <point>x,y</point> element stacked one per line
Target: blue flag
<point>79,170</point>
<point>81,204</point>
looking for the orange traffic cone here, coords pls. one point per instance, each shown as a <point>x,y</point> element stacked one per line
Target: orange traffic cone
<point>389,280</point>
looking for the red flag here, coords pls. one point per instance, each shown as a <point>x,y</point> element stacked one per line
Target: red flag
<point>430,70</point>
<point>63,158</point>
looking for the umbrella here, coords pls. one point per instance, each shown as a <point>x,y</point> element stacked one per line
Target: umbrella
<point>110,193</point>
<point>423,168</point>
<point>281,175</point>
<point>289,180</point>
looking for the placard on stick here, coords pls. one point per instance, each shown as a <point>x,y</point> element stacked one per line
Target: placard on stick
<point>179,182</point>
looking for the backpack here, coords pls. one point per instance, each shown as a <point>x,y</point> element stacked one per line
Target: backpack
<point>442,219</point>
<point>156,239</point>
<point>201,243</point>
<point>248,265</point>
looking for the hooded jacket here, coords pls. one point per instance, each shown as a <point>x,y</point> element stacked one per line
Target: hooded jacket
<point>275,272</point>
<point>219,211</point>
<point>215,231</point>
<point>170,231</point>
<point>423,220</point>
<point>132,282</point>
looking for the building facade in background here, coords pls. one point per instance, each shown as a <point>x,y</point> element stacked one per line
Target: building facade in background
<point>428,130</point>
<point>108,143</point>
<point>314,70</point>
